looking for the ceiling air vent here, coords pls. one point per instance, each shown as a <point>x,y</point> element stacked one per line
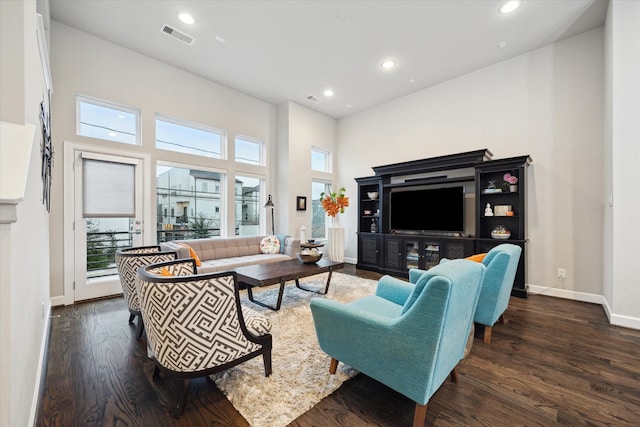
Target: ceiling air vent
<point>178,35</point>
<point>314,99</point>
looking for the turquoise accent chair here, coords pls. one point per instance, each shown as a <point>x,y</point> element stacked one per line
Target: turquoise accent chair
<point>502,264</point>
<point>409,337</point>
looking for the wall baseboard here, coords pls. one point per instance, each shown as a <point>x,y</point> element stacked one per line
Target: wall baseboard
<point>614,319</point>
<point>41,374</point>
<point>57,301</point>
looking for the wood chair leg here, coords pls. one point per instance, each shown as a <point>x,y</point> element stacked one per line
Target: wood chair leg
<point>502,320</point>
<point>487,334</point>
<point>420,415</point>
<point>266,357</point>
<point>182,398</point>
<point>333,367</point>
<point>140,327</point>
<point>454,375</point>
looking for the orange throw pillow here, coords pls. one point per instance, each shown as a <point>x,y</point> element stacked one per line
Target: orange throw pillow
<point>192,254</point>
<point>476,257</point>
<point>165,272</point>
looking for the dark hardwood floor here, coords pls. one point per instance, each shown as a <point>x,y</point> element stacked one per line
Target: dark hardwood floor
<point>555,362</point>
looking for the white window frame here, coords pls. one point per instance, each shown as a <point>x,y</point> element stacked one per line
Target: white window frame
<point>328,159</point>
<point>327,187</point>
<point>113,106</point>
<point>192,125</point>
<point>262,150</point>
<point>262,226</point>
<point>224,197</point>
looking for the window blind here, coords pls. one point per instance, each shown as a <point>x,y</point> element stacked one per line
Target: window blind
<point>109,189</point>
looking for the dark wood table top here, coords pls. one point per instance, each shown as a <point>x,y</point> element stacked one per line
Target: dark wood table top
<point>276,272</point>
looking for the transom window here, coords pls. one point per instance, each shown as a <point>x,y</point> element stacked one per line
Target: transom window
<point>320,160</point>
<point>188,137</point>
<point>105,120</point>
<point>249,150</point>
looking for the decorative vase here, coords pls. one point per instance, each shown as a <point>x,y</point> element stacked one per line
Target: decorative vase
<point>513,188</point>
<point>336,241</point>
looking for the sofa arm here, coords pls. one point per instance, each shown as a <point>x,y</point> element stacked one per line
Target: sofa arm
<point>291,246</point>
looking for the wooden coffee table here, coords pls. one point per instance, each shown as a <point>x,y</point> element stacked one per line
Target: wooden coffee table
<point>260,275</point>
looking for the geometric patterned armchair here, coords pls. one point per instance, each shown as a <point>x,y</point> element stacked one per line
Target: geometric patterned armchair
<point>502,264</point>
<point>128,260</point>
<point>408,336</point>
<point>196,325</point>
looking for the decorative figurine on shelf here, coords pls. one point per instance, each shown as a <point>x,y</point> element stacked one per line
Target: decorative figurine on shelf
<point>374,226</point>
<point>492,184</point>
<point>488,211</point>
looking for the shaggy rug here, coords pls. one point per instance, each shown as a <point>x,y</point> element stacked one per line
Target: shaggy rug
<point>300,377</point>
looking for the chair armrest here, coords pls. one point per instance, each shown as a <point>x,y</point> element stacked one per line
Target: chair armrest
<point>394,290</point>
<point>415,274</point>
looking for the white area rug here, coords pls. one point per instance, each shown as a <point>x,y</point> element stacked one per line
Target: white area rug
<point>300,377</point>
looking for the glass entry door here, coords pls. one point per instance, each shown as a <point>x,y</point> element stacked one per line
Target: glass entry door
<point>108,204</point>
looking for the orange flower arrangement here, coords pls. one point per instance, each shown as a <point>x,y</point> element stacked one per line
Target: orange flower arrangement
<point>334,203</point>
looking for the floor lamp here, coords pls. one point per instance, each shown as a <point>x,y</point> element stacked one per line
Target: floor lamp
<point>270,205</point>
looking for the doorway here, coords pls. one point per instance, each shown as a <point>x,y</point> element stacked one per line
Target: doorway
<point>106,212</point>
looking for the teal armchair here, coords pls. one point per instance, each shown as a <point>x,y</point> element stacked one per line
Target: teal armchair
<point>502,264</point>
<point>408,336</point>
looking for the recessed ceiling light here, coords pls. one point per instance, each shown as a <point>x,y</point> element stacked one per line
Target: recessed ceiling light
<point>412,81</point>
<point>220,39</point>
<point>328,92</point>
<point>502,44</point>
<point>186,18</point>
<point>510,6</point>
<point>388,64</point>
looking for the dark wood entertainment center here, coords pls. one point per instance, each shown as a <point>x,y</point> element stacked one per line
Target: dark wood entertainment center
<point>396,251</point>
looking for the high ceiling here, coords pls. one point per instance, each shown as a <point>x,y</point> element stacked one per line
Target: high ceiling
<point>281,51</point>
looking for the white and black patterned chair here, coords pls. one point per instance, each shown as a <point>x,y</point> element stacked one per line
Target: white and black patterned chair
<point>128,260</point>
<point>196,325</point>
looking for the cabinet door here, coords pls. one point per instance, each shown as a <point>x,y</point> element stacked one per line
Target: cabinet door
<point>431,254</point>
<point>393,254</point>
<point>369,250</point>
<point>412,254</point>
<point>458,249</point>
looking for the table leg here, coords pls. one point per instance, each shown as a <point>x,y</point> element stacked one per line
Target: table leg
<point>326,289</point>
<point>278,303</point>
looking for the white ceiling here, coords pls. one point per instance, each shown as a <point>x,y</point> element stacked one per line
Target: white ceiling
<point>281,51</point>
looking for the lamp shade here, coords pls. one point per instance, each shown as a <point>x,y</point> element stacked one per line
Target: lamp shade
<point>269,203</point>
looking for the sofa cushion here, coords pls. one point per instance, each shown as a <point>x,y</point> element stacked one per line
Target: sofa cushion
<point>232,263</point>
<point>182,251</point>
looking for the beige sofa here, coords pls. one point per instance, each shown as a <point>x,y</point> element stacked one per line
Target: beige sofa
<point>228,253</point>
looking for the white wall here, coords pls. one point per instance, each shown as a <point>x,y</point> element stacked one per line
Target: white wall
<point>83,64</point>
<point>24,260</point>
<point>622,143</point>
<point>305,129</point>
<point>547,103</point>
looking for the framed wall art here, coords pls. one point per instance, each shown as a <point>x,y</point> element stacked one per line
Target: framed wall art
<point>301,203</point>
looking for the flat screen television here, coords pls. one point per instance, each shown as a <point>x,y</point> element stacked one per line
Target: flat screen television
<point>427,210</point>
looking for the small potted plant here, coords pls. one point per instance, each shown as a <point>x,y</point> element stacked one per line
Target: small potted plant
<point>511,181</point>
